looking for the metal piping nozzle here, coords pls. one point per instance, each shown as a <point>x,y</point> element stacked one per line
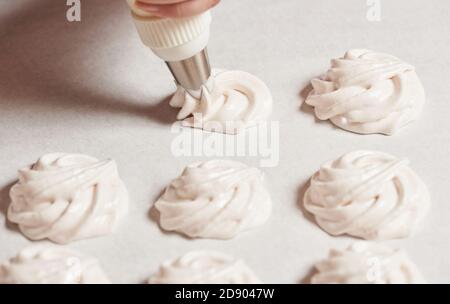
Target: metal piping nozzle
<point>192,73</point>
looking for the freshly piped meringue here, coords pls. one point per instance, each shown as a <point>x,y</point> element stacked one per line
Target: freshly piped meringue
<point>366,263</point>
<point>215,199</point>
<point>41,264</point>
<point>368,92</point>
<point>204,267</point>
<point>367,194</point>
<point>238,100</point>
<point>67,197</point>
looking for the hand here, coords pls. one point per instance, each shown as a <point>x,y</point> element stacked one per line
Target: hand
<point>176,8</point>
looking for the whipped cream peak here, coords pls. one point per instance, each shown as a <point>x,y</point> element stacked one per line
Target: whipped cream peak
<point>204,267</point>
<point>67,197</point>
<point>367,194</point>
<point>368,92</point>
<point>206,179</point>
<point>215,199</point>
<point>40,264</point>
<point>235,100</point>
<point>367,263</point>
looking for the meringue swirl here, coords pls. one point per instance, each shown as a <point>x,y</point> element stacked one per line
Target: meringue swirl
<point>365,263</point>
<point>41,264</point>
<point>238,100</point>
<point>368,92</point>
<point>367,194</point>
<point>215,199</point>
<point>67,197</point>
<point>204,267</point>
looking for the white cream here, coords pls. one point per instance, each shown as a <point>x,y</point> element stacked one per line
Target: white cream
<point>238,100</point>
<point>368,92</point>
<point>67,197</point>
<point>366,263</point>
<point>51,265</point>
<point>204,267</point>
<point>215,199</point>
<point>367,194</point>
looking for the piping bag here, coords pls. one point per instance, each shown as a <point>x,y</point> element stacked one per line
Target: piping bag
<point>181,43</point>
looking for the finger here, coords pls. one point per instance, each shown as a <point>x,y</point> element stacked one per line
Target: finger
<point>181,9</point>
<point>161,2</point>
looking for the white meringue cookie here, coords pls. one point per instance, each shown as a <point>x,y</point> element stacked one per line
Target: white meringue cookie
<point>367,194</point>
<point>238,100</point>
<point>204,267</point>
<point>67,197</point>
<point>51,265</point>
<point>365,263</point>
<point>215,199</point>
<point>368,92</point>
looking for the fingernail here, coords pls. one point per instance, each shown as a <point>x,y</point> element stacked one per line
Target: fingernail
<point>148,7</point>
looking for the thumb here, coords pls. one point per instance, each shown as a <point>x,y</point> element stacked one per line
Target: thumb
<point>177,10</point>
